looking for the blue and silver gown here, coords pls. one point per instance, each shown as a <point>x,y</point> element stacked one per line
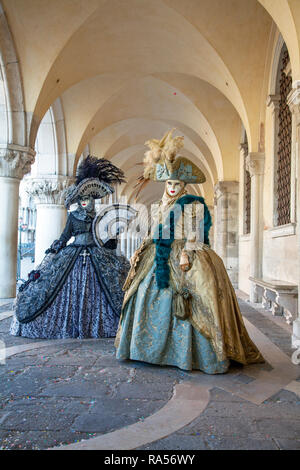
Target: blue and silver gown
<point>78,293</point>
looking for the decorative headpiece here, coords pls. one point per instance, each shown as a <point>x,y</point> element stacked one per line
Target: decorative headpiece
<point>161,163</point>
<point>181,169</point>
<point>93,179</point>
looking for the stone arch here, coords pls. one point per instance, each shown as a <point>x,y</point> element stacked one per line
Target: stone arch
<point>51,144</point>
<point>15,157</point>
<point>12,87</point>
<point>49,177</point>
<point>273,83</point>
<point>274,104</point>
<point>284,14</point>
<point>111,110</point>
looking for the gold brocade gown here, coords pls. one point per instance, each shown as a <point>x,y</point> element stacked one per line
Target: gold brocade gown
<point>158,326</point>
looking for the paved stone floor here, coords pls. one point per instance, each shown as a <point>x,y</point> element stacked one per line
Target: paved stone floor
<point>68,391</point>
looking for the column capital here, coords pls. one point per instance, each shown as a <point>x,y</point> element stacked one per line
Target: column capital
<point>15,160</point>
<point>273,102</point>
<point>293,100</point>
<point>255,163</point>
<point>226,187</point>
<point>48,189</point>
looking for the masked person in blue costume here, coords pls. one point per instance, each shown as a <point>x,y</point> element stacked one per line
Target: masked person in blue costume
<point>76,291</point>
<point>180,308</point>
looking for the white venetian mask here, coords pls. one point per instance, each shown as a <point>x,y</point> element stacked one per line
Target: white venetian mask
<point>173,187</point>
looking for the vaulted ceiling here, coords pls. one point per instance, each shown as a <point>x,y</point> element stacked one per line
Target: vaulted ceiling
<point>127,71</point>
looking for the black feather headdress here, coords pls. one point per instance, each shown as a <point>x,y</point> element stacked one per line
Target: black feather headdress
<point>101,168</point>
<point>93,179</point>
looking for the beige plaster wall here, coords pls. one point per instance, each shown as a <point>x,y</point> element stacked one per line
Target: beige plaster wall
<point>244,264</point>
<point>280,257</point>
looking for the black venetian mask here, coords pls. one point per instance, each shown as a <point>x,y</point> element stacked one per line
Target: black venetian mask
<point>86,203</point>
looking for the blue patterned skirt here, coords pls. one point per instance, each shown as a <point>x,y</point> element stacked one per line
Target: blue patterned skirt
<point>80,310</point>
<point>152,333</point>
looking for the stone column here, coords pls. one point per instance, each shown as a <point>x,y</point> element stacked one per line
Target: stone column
<point>214,227</point>
<point>129,245</point>
<point>15,162</point>
<point>294,104</point>
<point>123,244</point>
<point>115,195</point>
<point>226,226</point>
<point>243,148</point>
<point>135,244</point>
<point>255,163</point>
<point>212,231</point>
<point>51,212</point>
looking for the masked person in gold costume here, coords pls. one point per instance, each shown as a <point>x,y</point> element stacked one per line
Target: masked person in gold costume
<point>180,308</point>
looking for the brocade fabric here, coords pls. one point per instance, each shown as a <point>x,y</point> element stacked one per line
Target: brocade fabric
<point>152,333</point>
<point>213,334</point>
<point>78,292</point>
<point>80,310</point>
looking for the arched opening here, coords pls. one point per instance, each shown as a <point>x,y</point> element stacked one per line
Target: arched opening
<point>41,190</point>
<point>283,153</point>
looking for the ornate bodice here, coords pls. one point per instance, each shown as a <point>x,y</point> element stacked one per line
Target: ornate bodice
<point>185,227</point>
<point>80,229</point>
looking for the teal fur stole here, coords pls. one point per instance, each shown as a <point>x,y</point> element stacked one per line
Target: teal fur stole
<point>164,245</point>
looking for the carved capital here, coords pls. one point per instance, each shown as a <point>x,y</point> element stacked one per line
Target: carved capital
<point>223,188</point>
<point>15,161</point>
<point>48,189</point>
<point>255,163</point>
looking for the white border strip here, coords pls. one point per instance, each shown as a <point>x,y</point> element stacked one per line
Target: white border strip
<point>187,403</point>
<point>189,400</point>
<point>5,315</point>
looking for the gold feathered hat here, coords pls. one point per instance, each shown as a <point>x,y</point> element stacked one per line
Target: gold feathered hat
<point>162,164</point>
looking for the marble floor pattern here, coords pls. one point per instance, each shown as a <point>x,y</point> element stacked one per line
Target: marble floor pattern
<point>74,394</point>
